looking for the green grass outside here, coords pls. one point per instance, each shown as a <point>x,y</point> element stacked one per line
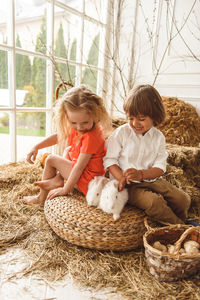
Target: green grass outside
<point>4,130</point>
<point>24,131</point>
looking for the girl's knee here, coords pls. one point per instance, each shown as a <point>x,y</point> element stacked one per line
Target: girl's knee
<point>50,159</point>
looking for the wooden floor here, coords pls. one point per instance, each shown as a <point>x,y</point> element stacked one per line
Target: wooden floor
<point>30,288</point>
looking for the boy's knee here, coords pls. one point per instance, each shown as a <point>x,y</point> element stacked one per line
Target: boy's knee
<point>159,210</point>
<point>181,204</point>
<point>187,200</point>
<point>156,202</point>
<point>183,199</point>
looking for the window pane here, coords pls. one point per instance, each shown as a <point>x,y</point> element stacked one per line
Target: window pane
<point>67,29</point>
<point>30,130</point>
<point>4,138</point>
<point>3,23</point>
<point>31,77</point>
<point>91,43</point>
<point>3,74</point>
<point>30,26</point>
<point>23,78</point>
<point>33,32</point>
<point>96,9</point>
<point>90,78</point>
<point>4,123</point>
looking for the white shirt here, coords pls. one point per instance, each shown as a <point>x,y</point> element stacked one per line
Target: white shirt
<point>127,149</point>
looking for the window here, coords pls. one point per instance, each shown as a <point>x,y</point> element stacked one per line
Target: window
<point>41,44</point>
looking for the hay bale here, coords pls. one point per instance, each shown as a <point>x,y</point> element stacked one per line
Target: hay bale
<point>183,165</point>
<point>182,123</point>
<point>118,122</point>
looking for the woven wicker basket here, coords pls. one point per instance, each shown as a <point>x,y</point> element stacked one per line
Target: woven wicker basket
<point>171,267</point>
<point>73,220</point>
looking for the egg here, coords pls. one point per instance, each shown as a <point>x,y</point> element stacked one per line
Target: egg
<point>191,247</point>
<point>182,251</point>
<point>170,248</point>
<point>157,245</point>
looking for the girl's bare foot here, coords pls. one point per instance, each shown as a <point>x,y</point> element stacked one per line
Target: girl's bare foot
<point>51,183</point>
<point>32,200</point>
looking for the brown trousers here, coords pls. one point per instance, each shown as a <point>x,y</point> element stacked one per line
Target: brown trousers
<point>160,200</point>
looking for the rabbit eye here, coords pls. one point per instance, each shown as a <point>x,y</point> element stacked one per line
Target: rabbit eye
<point>97,194</point>
<point>116,196</point>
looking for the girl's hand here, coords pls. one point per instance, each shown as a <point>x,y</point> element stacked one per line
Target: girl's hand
<point>31,156</point>
<point>56,192</point>
<point>132,175</point>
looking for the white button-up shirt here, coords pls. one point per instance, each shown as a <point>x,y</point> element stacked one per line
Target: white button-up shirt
<point>127,149</point>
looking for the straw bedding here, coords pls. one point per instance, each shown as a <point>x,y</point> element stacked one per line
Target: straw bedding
<point>50,257</point>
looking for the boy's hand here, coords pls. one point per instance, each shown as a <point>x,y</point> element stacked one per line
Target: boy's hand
<point>132,175</point>
<point>122,183</point>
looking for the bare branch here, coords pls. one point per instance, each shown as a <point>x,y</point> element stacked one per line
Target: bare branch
<point>170,40</point>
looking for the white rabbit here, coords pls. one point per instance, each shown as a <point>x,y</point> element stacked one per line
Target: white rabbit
<point>112,201</point>
<point>95,187</point>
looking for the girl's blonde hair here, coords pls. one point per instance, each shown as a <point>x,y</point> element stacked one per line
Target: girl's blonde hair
<point>145,100</point>
<point>80,98</point>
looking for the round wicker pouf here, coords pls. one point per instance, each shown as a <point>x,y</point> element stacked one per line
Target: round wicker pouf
<point>73,220</point>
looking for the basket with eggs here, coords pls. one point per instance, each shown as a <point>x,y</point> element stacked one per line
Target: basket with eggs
<point>172,252</point>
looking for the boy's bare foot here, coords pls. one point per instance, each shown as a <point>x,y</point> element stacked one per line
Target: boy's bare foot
<point>50,184</point>
<point>32,200</point>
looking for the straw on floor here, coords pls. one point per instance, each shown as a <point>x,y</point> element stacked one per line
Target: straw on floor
<point>50,257</point>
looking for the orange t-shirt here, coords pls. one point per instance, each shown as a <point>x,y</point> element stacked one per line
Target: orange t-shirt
<point>92,142</point>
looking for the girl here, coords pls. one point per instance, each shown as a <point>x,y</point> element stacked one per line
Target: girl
<point>79,116</point>
<point>136,157</point>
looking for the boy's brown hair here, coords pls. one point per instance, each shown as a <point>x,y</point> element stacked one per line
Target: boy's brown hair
<point>145,100</point>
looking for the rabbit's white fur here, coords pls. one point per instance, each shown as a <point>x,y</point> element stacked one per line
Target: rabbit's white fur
<point>95,187</point>
<point>112,201</point>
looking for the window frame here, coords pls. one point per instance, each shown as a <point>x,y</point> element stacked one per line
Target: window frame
<point>12,50</point>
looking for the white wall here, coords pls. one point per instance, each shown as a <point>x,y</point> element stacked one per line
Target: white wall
<point>160,55</point>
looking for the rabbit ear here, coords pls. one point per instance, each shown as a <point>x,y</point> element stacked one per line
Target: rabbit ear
<point>96,179</point>
<point>104,181</point>
<point>100,179</point>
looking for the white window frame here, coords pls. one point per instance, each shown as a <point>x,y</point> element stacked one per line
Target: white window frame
<point>12,50</point>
